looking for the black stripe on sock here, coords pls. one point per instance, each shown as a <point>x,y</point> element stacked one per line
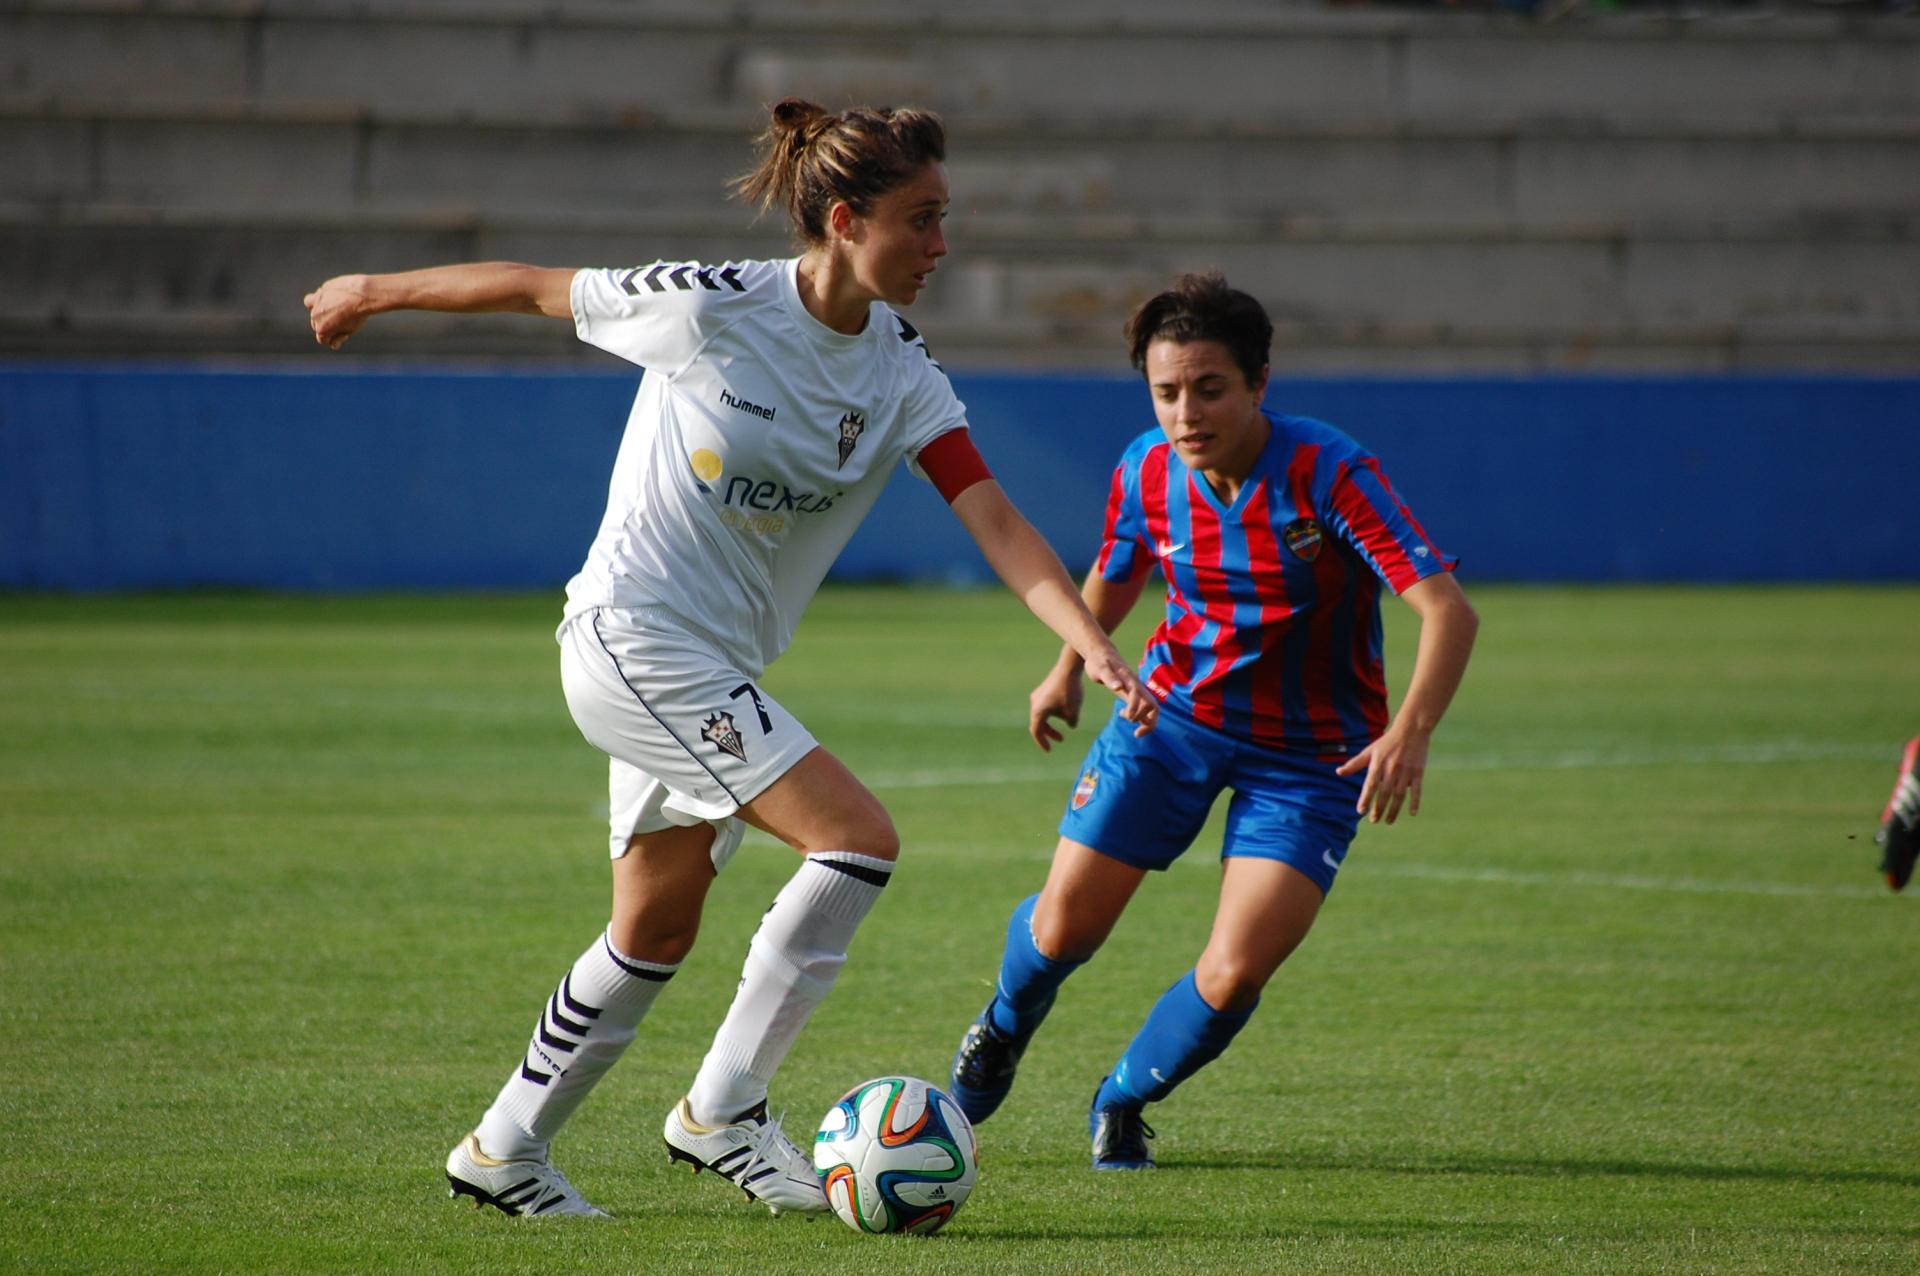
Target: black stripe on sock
<point>538,1078</point>
<point>860,872</point>
<point>638,972</point>
<point>558,1043</point>
<point>560,1021</point>
<point>580,1008</point>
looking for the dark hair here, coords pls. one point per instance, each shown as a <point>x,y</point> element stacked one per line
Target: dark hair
<point>810,158</point>
<point>1202,307</point>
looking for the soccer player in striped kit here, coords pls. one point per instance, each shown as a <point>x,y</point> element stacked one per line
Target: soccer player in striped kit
<point>779,397</point>
<point>1274,535</point>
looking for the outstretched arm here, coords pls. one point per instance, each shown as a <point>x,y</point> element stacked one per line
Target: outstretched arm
<point>1021,557</point>
<point>339,306</point>
<point>1396,763</point>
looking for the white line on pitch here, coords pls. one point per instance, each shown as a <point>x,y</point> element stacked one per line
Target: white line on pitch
<point>1554,881</point>
<point>970,776</point>
<point>1757,754</point>
<point>1760,753</point>
<point>1673,885</point>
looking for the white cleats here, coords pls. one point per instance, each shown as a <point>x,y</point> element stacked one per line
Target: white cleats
<point>530,1188</point>
<point>753,1152</point>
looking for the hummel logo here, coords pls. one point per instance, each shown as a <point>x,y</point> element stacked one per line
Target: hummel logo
<point>682,277</point>
<point>741,405</point>
<point>911,334</point>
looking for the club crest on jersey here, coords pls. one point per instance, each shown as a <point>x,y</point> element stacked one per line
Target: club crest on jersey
<point>852,425</point>
<point>721,733</point>
<point>1083,791</point>
<point>1303,537</point>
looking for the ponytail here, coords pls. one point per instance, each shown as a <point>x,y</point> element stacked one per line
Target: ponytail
<point>811,159</point>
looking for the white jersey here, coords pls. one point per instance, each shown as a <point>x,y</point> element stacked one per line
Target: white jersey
<point>757,442</point>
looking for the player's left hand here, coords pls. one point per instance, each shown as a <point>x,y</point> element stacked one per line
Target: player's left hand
<point>1117,676</point>
<point>1396,764</point>
<point>1059,695</point>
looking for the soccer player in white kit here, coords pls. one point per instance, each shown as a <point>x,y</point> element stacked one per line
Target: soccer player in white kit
<point>778,397</point>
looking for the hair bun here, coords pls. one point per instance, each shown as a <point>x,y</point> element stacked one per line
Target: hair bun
<point>797,115</point>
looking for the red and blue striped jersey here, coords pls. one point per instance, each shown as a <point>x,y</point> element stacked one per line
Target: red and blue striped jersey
<point>1272,628</point>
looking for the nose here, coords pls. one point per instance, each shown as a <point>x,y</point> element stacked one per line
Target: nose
<point>937,245</point>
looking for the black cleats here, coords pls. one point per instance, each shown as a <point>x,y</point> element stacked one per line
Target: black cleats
<point>983,1067</point>
<point>1120,1137</point>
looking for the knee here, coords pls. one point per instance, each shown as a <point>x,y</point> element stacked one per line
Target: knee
<point>870,833</point>
<point>1229,983</point>
<point>878,838</point>
<point>1061,935</point>
<point>651,937</point>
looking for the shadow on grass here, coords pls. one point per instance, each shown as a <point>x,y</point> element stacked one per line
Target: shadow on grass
<point>1524,1167</point>
<point>1130,1232</point>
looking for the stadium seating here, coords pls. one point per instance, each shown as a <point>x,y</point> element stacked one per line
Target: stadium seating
<point>1404,187</point>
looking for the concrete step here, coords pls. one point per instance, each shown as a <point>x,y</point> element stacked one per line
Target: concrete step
<point>1400,186</point>
<point>106,330</point>
<point>277,166</point>
<point>1036,296</point>
<point>1064,62</point>
<point>1041,234</point>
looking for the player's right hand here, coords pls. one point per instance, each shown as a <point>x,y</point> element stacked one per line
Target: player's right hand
<point>337,308</point>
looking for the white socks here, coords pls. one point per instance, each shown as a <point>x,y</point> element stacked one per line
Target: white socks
<point>795,955</point>
<point>591,1017</point>
<point>582,1032</point>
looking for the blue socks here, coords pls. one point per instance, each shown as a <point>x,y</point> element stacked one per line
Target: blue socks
<point>1182,1035</point>
<point>1028,978</point>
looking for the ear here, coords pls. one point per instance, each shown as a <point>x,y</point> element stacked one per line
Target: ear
<point>842,221</point>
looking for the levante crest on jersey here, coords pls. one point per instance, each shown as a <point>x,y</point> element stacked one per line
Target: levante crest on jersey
<point>852,425</point>
<point>720,732</point>
<point>1083,791</point>
<point>1303,537</point>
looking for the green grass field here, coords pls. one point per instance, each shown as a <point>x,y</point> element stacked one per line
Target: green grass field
<point>283,882</point>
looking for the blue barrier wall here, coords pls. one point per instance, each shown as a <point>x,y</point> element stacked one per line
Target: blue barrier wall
<point>345,478</point>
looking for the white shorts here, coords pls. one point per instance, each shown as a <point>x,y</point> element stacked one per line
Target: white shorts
<point>691,738</point>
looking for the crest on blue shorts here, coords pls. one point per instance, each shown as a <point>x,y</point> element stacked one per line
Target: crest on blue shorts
<point>1083,791</point>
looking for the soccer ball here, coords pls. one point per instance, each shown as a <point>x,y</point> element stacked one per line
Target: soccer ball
<point>895,1155</point>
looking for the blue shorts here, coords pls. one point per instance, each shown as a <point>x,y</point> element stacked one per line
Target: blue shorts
<point>1143,801</point>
